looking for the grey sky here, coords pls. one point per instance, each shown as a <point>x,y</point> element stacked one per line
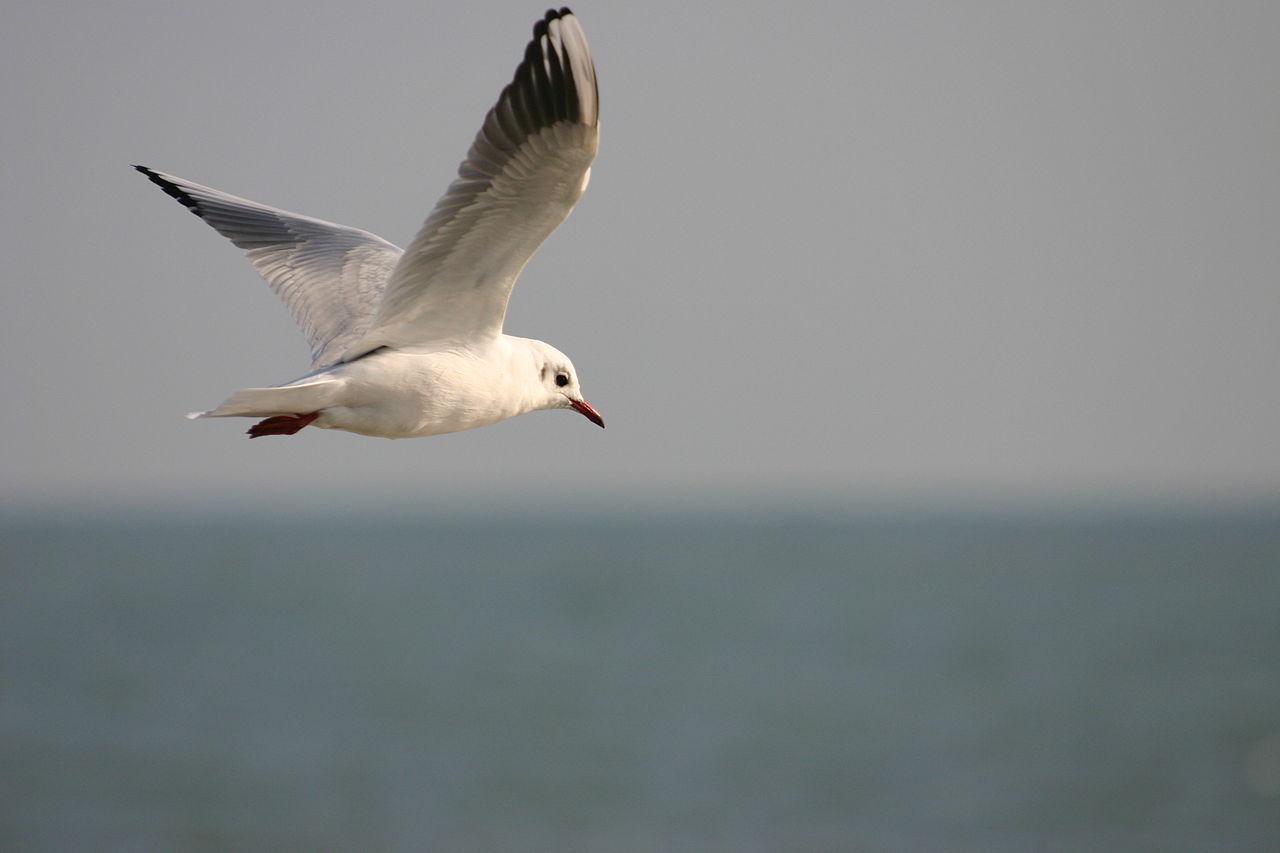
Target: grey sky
<point>988,249</point>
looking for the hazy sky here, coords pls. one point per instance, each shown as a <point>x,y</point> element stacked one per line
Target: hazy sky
<point>998,250</point>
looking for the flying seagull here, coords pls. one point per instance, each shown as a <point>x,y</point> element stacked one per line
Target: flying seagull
<point>408,343</point>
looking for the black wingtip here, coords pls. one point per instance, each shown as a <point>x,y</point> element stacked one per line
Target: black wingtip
<point>169,187</point>
<point>540,28</point>
<point>543,90</point>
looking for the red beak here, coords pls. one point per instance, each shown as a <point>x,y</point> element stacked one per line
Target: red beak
<point>584,408</point>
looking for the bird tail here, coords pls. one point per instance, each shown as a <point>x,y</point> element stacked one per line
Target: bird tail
<point>285,400</point>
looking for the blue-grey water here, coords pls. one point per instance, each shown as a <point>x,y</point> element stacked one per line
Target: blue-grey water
<point>613,683</point>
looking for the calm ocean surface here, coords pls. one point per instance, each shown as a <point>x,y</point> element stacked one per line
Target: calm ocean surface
<point>618,684</point>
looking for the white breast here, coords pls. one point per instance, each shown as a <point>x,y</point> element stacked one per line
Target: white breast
<point>404,394</point>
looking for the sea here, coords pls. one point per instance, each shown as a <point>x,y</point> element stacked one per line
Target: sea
<point>620,682</point>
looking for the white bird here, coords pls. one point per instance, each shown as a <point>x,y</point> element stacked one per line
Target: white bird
<point>410,343</point>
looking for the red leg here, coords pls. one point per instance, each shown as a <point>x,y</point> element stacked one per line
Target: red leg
<point>282,425</point>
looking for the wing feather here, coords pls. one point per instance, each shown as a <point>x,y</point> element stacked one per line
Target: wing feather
<point>525,170</point>
<point>329,276</point>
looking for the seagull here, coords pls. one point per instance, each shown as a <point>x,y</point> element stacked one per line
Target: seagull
<point>408,343</point>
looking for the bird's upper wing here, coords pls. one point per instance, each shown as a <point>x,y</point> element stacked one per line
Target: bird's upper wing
<point>330,276</point>
<point>525,171</point>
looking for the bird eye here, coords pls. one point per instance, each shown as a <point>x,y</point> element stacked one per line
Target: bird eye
<point>562,379</point>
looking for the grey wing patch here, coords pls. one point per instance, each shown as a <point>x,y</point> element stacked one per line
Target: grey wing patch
<point>329,276</point>
<point>525,170</point>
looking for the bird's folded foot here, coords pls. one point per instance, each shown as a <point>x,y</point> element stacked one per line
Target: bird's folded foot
<point>282,425</point>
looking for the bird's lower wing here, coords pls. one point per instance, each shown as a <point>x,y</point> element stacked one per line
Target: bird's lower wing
<point>330,276</point>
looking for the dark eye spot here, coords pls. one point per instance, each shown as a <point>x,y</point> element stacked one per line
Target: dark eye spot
<point>562,379</point>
